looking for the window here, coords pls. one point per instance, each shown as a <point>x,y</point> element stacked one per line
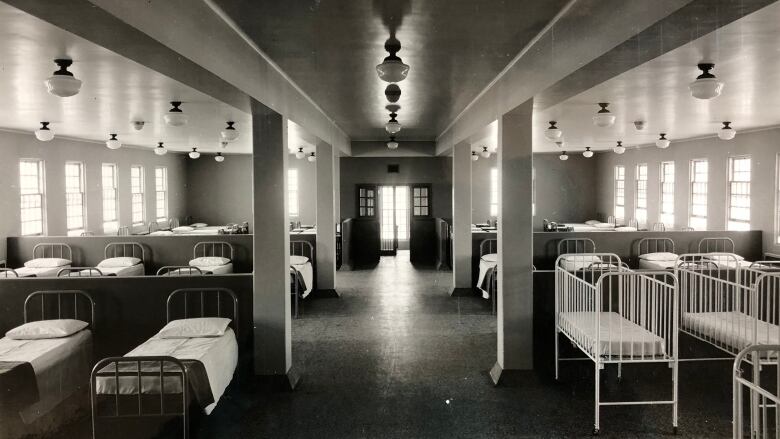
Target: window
<point>739,194</point>
<point>110,205</point>
<point>620,192</point>
<point>161,192</point>
<point>292,191</point>
<point>698,207</point>
<point>640,209</point>
<point>366,201</point>
<point>494,192</point>
<point>138,211</point>
<point>75,212</point>
<point>421,202</point>
<point>667,194</point>
<point>31,190</point>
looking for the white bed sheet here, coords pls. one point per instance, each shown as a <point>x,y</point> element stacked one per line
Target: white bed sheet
<point>219,356</point>
<point>486,262</point>
<point>615,333</point>
<point>208,230</point>
<point>307,271</point>
<point>39,272</point>
<point>215,269</point>
<point>61,367</point>
<point>657,265</point>
<point>732,328</point>
<point>133,270</point>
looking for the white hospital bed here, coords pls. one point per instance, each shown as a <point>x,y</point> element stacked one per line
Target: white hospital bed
<point>212,257</point>
<point>48,259</point>
<point>302,259</point>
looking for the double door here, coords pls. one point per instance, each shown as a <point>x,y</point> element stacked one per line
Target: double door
<point>394,218</point>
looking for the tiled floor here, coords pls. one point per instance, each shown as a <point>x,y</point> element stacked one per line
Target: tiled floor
<point>395,356</point>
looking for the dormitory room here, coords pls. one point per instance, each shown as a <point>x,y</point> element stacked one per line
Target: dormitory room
<point>389,219</point>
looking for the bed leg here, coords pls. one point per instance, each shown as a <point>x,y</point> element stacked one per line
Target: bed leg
<point>620,371</point>
<point>675,395</point>
<point>597,406</point>
<point>556,354</point>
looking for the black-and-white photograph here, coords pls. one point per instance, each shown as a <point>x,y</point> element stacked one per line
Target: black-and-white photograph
<point>401,219</point>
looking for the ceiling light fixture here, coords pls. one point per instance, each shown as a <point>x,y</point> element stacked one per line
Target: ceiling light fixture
<point>138,125</point>
<point>230,133</point>
<point>706,86</point>
<point>194,154</point>
<point>392,68</point>
<point>113,142</point>
<point>224,144</point>
<point>62,83</point>
<point>160,150</point>
<point>484,153</point>
<point>393,93</point>
<point>639,125</point>
<point>474,156</point>
<point>312,157</point>
<point>393,126</point>
<point>619,148</point>
<point>44,133</point>
<point>604,118</point>
<point>726,133</point>
<point>392,144</point>
<point>587,153</point>
<point>662,141</point>
<point>219,158</point>
<point>553,133</point>
<point>300,154</point>
<point>563,156</point>
<point>175,117</point>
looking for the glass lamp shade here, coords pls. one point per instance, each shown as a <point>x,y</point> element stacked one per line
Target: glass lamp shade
<point>62,83</point>
<point>662,142</point>
<point>392,69</point>
<point>300,154</point>
<point>619,148</point>
<point>229,134</point>
<point>474,156</point>
<point>726,133</point>
<point>484,153</point>
<point>312,157</point>
<point>392,144</point>
<point>219,158</point>
<point>393,127</point>
<point>175,117</point>
<point>160,150</point>
<point>587,153</point>
<point>603,117</point>
<point>113,142</point>
<point>563,156</point>
<point>706,88</point>
<point>553,133</point>
<point>44,133</point>
<point>194,154</point>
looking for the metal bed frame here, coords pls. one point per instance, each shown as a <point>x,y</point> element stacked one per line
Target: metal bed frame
<point>123,231</point>
<point>80,271</point>
<point>87,233</point>
<point>576,245</point>
<point>491,244</point>
<point>659,227</point>
<point>612,220</point>
<point>153,227</point>
<point>173,223</point>
<point>161,367</point>
<point>657,245</point>
<point>716,245</point>
<point>179,270</point>
<point>124,249</point>
<point>633,223</point>
<point>9,273</point>
<point>645,299</point>
<point>52,250</point>
<point>760,398</point>
<point>58,296</point>
<point>299,248</point>
<point>212,248</point>
<point>294,273</point>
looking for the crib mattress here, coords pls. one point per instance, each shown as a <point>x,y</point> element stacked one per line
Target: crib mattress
<point>732,329</point>
<point>657,265</point>
<point>617,335</point>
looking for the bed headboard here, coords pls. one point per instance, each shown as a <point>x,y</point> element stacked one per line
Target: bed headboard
<point>75,304</point>
<point>153,226</point>
<point>179,270</point>
<point>716,245</point>
<point>123,231</point>
<point>655,245</point>
<point>79,272</point>
<point>612,220</point>
<point>124,249</point>
<point>488,246</point>
<point>659,227</point>
<point>213,248</point>
<point>52,250</point>
<point>633,223</point>
<point>302,248</point>
<point>173,223</point>
<point>576,245</point>
<point>203,302</point>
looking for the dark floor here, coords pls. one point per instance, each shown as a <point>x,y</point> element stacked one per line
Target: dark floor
<point>396,357</point>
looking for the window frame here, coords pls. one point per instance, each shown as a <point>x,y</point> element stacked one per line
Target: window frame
<point>82,192</point>
<point>428,197</point>
<point>141,193</point>
<point>41,177</point>
<point>163,192</point>
<point>691,193</point>
<point>664,217</point>
<point>112,225</point>
<point>730,195</point>
<point>615,188</point>
<point>640,191</point>
<point>366,200</point>
<point>293,202</point>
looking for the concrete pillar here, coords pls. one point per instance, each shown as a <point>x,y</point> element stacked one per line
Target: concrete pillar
<point>515,242</point>
<point>461,219</point>
<point>271,247</point>
<point>326,218</point>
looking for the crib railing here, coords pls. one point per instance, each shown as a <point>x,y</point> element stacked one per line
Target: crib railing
<point>756,405</point>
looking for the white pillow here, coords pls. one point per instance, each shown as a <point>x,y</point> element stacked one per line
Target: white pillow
<point>625,229</point>
<point>46,329</point>
<point>197,225</point>
<point>47,263</point>
<point>195,328</point>
<point>725,257</point>
<point>209,261</point>
<point>120,262</point>
<point>490,257</point>
<point>604,226</point>
<point>659,256</point>
<point>183,229</point>
<point>587,259</point>
<point>298,260</point>
<point>592,222</point>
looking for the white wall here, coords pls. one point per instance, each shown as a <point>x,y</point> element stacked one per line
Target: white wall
<point>762,146</point>
<point>15,146</point>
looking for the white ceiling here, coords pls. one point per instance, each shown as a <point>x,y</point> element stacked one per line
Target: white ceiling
<point>115,91</point>
<point>745,53</point>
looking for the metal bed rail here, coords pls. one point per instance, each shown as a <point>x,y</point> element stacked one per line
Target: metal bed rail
<point>52,250</point>
<point>762,402</point>
<point>8,273</point>
<point>80,272</point>
<point>654,245</point>
<point>219,249</point>
<point>179,270</point>
<point>124,249</point>
<point>488,246</point>
<point>302,248</point>
<point>576,245</point>
<point>75,304</point>
<point>716,245</point>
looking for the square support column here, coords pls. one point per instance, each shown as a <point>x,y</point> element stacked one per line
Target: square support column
<point>461,219</point>
<point>326,219</point>
<point>515,242</point>
<point>271,248</point>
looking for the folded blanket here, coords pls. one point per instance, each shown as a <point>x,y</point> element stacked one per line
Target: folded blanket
<point>18,386</point>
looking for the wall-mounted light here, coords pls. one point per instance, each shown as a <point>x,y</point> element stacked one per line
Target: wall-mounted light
<point>44,133</point>
<point>62,83</point>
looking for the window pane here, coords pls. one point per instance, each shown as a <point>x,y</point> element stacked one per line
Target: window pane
<point>292,191</point>
<point>31,191</point>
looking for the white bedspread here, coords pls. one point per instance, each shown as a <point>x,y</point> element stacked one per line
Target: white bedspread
<point>215,269</point>
<point>39,272</point>
<point>657,265</point>
<point>307,271</point>
<point>733,329</point>
<point>61,367</point>
<point>219,356</point>
<point>133,270</point>
<point>486,262</point>
<point>618,336</point>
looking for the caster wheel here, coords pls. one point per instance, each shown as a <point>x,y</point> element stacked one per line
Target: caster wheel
<point>595,432</point>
